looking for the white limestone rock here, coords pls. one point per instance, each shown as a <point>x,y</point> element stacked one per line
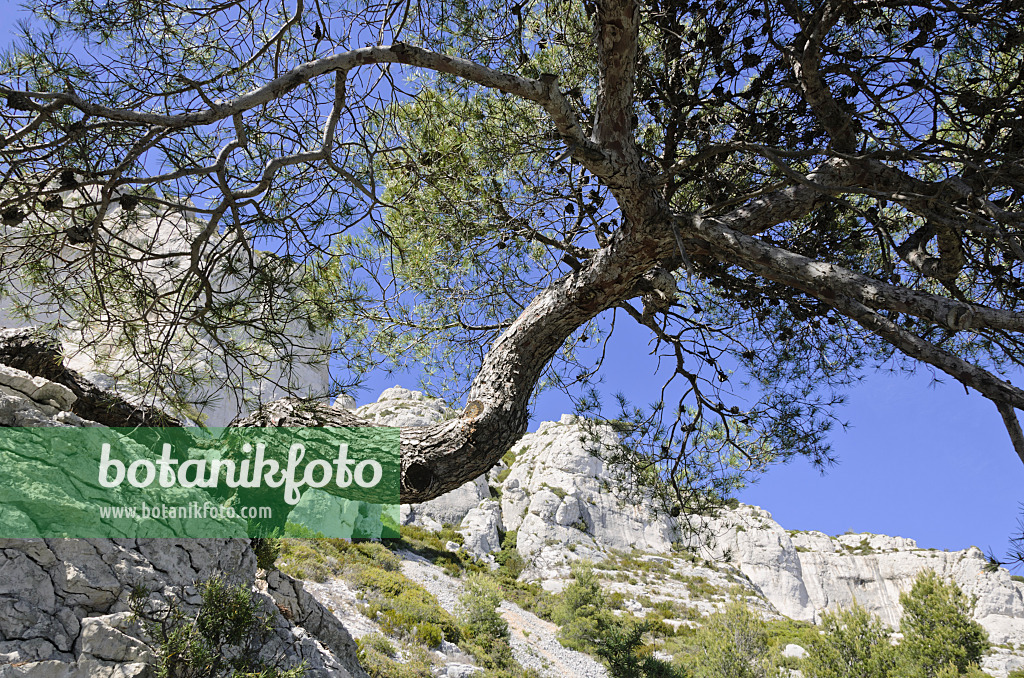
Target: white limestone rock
<point>106,638</point>
<point>561,500</point>
<point>398,406</point>
<point>37,389</point>
<point>999,662</point>
<point>806,573</point>
<point>481,529</point>
<point>450,508</point>
<point>64,602</point>
<point>749,539</point>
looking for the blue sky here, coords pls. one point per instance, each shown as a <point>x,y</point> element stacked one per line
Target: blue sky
<point>920,459</point>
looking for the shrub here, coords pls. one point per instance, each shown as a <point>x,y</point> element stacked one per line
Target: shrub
<point>223,638</point>
<point>432,547</point>
<point>429,634</point>
<point>378,642</point>
<point>588,625</point>
<point>402,607</point>
<point>855,644</point>
<point>510,562</point>
<point>940,639</point>
<point>938,628</point>
<point>381,663</point>
<point>582,593</point>
<point>485,632</point>
<point>267,550</point>
<point>732,643</point>
<point>481,618</point>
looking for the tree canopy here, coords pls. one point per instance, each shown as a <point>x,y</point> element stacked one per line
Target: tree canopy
<point>788,192</point>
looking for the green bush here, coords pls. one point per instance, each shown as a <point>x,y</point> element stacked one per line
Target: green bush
<point>224,637</point>
<point>973,671</point>
<point>380,662</point>
<point>940,638</point>
<point>583,593</point>
<point>588,625</point>
<point>732,643</point>
<point>378,642</point>
<point>481,617</point>
<point>855,644</point>
<point>402,607</point>
<point>321,558</point>
<point>938,629</point>
<point>510,562</point>
<point>429,634</point>
<point>267,549</point>
<point>485,632</point>
<point>431,546</point>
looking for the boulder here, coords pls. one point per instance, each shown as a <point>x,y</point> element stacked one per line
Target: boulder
<point>481,529</point>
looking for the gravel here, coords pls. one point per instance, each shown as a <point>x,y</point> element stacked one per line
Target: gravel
<point>446,589</point>
<point>535,645</point>
<point>534,641</point>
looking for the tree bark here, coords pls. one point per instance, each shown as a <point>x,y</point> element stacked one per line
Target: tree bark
<point>32,351</point>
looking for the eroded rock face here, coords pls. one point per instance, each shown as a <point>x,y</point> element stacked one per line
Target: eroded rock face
<point>64,602</point>
<point>563,503</point>
<point>806,573</point>
<point>64,605</point>
<point>559,496</point>
<point>399,406</point>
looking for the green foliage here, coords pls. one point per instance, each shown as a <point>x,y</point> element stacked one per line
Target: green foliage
<point>699,587</point>
<point>623,650</point>
<point>973,671</point>
<point>404,608</point>
<point>939,638</point>
<point>452,199</point>
<point>782,632</point>
<point>431,545</point>
<point>855,644</point>
<point>379,659</point>
<point>321,558</point>
<point>732,643</point>
<point>378,642</point>
<point>938,628</point>
<point>481,618</point>
<point>510,562</point>
<point>267,550</point>
<point>588,625</point>
<point>224,637</point>
<point>485,632</point>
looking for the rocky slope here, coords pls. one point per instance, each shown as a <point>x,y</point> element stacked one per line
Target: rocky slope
<point>559,499</point>
<point>64,603</point>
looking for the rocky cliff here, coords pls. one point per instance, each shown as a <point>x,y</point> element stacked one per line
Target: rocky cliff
<point>64,603</point>
<point>562,502</point>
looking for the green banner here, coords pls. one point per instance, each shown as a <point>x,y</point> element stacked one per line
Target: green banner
<point>191,482</point>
